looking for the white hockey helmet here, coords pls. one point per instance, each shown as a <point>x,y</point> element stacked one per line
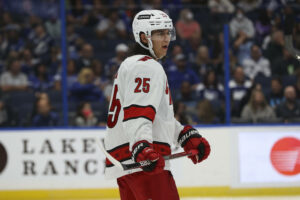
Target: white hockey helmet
<point>147,21</point>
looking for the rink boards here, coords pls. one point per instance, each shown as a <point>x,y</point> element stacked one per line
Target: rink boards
<point>66,163</point>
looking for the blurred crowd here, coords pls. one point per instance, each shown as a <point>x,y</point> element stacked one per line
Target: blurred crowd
<point>264,83</point>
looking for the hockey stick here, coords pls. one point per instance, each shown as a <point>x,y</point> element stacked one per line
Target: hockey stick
<point>142,163</point>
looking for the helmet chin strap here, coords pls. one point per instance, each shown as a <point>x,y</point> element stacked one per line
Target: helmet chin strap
<point>149,48</point>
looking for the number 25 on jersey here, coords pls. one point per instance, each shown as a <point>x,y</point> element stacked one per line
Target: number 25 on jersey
<point>143,85</point>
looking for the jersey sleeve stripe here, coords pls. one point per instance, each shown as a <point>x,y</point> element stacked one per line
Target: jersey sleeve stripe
<point>136,111</point>
<point>121,153</point>
<point>162,147</point>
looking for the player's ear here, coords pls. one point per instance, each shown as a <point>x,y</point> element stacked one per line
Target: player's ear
<point>143,38</point>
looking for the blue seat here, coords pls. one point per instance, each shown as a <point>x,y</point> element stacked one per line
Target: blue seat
<point>289,80</point>
<point>99,108</point>
<point>265,82</point>
<point>86,32</point>
<point>22,103</point>
<point>19,98</point>
<point>55,96</point>
<point>24,113</point>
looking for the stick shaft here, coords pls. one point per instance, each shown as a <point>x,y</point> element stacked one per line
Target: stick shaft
<point>142,163</point>
<point>148,162</point>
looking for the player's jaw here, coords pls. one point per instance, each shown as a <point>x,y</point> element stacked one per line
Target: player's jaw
<point>164,49</point>
<point>160,49</point>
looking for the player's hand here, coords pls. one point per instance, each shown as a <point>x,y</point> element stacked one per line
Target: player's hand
<point>190,139</point>
<point>143,150</point>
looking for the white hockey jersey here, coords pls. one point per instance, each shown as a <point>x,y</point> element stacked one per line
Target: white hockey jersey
<point>141,108</point>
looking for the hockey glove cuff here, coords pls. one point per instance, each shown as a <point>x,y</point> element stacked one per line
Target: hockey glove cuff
<point>143,150</point>
<point>190,139</point>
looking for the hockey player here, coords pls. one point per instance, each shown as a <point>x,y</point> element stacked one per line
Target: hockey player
<point>141,124</point>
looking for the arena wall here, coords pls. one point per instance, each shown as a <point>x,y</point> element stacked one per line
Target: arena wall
<point>67,163</point>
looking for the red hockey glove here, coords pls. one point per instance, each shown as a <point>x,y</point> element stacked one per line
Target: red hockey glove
<point>143,150</point>
<point>190,139</point>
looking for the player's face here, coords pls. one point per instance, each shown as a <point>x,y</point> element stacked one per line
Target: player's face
<point>161,40</point>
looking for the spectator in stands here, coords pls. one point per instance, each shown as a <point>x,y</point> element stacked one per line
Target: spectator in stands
<point>241,24</point>
<point>6,18</point>
<point>41,80</point>
<point>257,110</point>
<point>272,6</point>
<point>100,79</point>
<point>12,40</point>
<point>210,89</point>
<point>85,89</point>
<point>57,82</point>
<point>28,62</point>
<point>249,5</point>
<point>45,117</point>
<point>181,72</point>
<point>177,49</point>
<point>95,13</point>
<point>1,59</point>
<point>274,48</point>
<point>71,72</point>
<point>246,98</point>
<point>112,27</point>
<point>109,77</point>
<point>262,26</point>
<point>181,114</point>
<point>187,96</point>
<point>286,65</point>
<point>41,43</point>
<point>205,113</point>
<point>38,96</point>
<point>152,5</point>
<point>289,109</point>
<point>30,22</point>
<point>221,6</point>
<point>297,86</point>
<point>6,115</point>
<point>239,86</point>
<point>170,60</point>
<point>202,62</point>
<point>217,53</point>
<point>296,34</point>
<point>85,116</point>
<point>72,37</point>
<point>242,32</point>
<point>121,53</point>
<point>54,65</point>
<point>86,57</point>
<point>275,97</point>
<point>53,27</point>
<point>187,28</point>
<point>77,14</point>
<point>233,61</point>
<point>13,55</point>
<point>256,64</point>
<point>13,79</point>
<point>213,26</point>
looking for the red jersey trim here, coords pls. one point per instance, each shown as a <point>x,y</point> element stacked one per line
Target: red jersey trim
<point>145,58</point>
<point>122,153</point>
<point>136,111</point>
